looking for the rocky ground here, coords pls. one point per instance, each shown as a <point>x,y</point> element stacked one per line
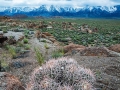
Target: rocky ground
<point>106,69</point>
<point>103,61</point>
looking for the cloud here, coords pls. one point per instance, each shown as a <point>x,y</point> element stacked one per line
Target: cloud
<point>79,3</point>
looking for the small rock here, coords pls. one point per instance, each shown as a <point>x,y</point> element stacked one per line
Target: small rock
<point>19,64</point>
<point>17,35</point>
<point>68,39</point>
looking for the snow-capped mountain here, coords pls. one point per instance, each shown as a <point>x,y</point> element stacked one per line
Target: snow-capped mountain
<point>16,9</point>
<point>44,10</point>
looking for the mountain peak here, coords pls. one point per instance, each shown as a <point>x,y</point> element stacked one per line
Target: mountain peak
<point>62,10</point>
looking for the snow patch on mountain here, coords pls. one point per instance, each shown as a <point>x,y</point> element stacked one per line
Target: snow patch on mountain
<point>109,9</point>
<point>16,9</point>
<point>57,8</point>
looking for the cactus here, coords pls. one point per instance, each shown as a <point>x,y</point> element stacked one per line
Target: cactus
<point>62,74</point>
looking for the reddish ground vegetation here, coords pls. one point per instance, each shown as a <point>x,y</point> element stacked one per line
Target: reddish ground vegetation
<point>9,82</point>
<point>70,47</point>
<point>115,48</point>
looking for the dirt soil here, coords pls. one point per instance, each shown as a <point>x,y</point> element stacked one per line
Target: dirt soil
<point>106,69</point>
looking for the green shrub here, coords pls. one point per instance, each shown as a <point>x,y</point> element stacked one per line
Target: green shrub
<point>4,31</point>
<point>46,46</point>
<point>12,51</point>
<point>4,65</point>
<point>39,56</point>
<point>20,44</point>
<point>17,49</point>
<point>43,41</point>
<point>26,35</point>
<point>6,46</point>
<point>57,53</point>
<point>25,41</point>
<point>27,47</point>
<point>26,31</point>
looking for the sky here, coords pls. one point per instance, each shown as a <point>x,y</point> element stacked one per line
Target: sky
<point>77,3</point>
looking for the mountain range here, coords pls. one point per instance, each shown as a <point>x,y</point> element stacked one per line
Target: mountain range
<point>66,11</point>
